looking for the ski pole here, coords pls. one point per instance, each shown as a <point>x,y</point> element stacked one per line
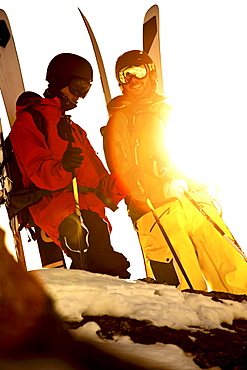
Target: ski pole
<point>78,213</point>
<point>200,209</point>
<point>157,219</point>
<point>76,194</point>
<point>65,132</point>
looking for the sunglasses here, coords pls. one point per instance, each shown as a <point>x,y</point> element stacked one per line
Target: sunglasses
<point>79,87</point>
<point>125,74</point>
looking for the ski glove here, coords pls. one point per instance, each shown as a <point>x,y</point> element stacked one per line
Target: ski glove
<point>175,189</point>
<point>72,158</point>
<point>212,193</point>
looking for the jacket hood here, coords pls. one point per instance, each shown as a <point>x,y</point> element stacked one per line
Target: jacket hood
<point>117,103</point>
<point>29,98</point>
<point>122,101</point>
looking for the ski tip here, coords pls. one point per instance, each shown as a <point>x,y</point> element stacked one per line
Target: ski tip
<point>155,6</point>
<point>81,12</point>
<point>151,12</point>
<point>83,16</point>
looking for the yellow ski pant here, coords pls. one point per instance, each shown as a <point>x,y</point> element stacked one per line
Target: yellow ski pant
<point>208,259</point>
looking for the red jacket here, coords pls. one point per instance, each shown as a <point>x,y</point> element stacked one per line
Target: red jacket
<point>40,161</point>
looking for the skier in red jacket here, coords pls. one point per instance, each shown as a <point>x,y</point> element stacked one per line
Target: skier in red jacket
<point>48,161</point>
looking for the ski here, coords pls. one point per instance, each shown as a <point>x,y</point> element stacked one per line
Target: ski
<point>5,187</point>
<point>150,45</point>
<point>11,82</point>
<point>103,77</point>
<point>151,42</point>
<point>11,86</point>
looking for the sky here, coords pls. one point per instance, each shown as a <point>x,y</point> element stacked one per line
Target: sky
<point>76,293</point>
<point>204,70</point>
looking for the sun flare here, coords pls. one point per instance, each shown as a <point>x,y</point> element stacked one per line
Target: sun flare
<point>193,148</point>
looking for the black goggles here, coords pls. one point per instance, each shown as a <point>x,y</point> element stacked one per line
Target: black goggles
<point>125,74</point>
<point>79,87</point>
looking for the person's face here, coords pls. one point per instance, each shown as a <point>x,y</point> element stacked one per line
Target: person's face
<point>136,87</point>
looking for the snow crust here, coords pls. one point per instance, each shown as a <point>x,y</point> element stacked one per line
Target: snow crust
<point>77,293</point>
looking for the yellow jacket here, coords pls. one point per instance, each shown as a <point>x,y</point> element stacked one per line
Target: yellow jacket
<point>134,144</point>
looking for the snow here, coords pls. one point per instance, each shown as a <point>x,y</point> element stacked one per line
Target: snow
<point>77,293</point>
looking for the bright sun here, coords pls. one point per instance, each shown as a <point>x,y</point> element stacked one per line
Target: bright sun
<point>207,144</point>
<point>193,147</point>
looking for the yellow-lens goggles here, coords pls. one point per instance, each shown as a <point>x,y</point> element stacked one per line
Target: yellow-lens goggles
<point>127,73</point>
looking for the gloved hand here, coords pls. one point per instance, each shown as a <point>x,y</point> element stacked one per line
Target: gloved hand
<point>175,189</point>
<point>212,193</point>
<point>72,159</point>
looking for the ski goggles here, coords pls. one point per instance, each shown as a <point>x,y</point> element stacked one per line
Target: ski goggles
<point>125,74</point>
<point>79,87</point>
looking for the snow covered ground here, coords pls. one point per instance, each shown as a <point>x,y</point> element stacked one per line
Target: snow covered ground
<point>79,293</point>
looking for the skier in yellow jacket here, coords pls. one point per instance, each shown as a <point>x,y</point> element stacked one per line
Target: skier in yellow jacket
<point>134,144</point>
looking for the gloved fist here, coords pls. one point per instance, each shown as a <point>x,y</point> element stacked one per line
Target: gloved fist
<point>212,193</point>
<point>175,189</point>
<point>72,159</point>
